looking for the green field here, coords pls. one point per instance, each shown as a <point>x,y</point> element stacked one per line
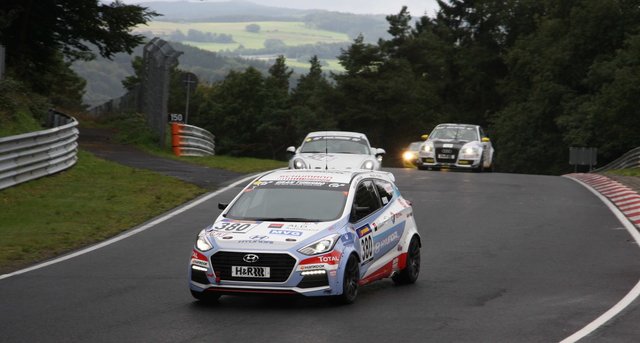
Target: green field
<point>291,33</point>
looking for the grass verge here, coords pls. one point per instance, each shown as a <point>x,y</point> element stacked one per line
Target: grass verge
<point>625,172</point>
<point>90,202</point>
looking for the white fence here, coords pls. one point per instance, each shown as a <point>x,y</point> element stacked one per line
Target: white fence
<point>189,140</point>
<point>32,155</point>
<point>631,159</point>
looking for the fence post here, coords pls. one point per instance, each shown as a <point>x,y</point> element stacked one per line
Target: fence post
<point>2,63</point>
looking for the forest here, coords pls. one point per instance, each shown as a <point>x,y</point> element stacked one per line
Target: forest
<point>539,75</point>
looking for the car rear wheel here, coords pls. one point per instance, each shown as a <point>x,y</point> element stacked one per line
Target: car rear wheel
<point>350,281</point>
<point>410,273</point>
<point>206,297</point>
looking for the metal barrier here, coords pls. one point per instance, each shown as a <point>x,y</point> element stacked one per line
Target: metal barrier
<point>32,155</point>
<point>189,140</point>
<point>631,159</point>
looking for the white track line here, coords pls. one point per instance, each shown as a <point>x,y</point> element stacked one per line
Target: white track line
<point>633,293</point>
<point>130,233</point>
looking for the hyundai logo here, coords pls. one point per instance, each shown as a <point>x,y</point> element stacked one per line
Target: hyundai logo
<point>250,258</point>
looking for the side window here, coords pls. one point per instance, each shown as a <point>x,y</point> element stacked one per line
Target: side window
<point>385,191</point>
<point>482,135</point>
<point>365,202</point>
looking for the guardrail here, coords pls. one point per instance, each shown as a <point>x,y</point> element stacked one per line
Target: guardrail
<point>631,159</point>
<point>32,155</point>
<point>189,140</point>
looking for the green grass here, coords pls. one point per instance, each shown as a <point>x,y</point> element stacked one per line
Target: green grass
<point>90,202</point>
<point>625,172</point>
<point>291,33</point>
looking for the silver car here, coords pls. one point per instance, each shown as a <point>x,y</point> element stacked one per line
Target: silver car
<point>335,150</point>
<point>460,146</point>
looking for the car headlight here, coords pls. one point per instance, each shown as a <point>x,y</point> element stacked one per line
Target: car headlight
<point>408,155</point>
<point>427,147</point>
<point>367,165</point>
<point>471,150</point>
<point>320,246</point>
<point>299,164</point>
<point>202,243</point>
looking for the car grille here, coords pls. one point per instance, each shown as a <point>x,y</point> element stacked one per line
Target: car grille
<point>280,265</point>
<point>446,151</point>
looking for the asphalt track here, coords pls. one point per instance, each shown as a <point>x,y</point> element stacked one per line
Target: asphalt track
<point>506,258</point>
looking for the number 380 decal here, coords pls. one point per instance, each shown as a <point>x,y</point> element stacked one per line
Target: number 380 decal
<point>233,227</point>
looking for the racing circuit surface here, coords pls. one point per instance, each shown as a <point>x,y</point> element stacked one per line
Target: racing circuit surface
<point>506,258</point>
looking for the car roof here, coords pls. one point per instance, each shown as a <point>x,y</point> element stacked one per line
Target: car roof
<point>337,133</point>
<point>323,175</point>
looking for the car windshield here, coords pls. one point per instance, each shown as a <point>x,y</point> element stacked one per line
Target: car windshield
<point>458,133</point>
<point>295,201</point>
<point>335,145</point>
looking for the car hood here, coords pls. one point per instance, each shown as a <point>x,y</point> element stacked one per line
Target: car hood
<point>265,235</point>
<point>334,161</point>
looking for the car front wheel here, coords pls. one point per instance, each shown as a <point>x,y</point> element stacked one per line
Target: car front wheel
<point>350,281</point>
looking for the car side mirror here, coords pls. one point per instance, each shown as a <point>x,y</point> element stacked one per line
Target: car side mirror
<point>222,206</point>
<point>291,150</point>
<point>424,137</point>
<point>380,152</point>
<point>485,140</point>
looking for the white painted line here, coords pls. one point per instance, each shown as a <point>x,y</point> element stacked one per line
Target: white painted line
<point>633,293</point>
<point>130,233</point>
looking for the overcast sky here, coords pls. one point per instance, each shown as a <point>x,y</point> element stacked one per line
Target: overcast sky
<point>417,8</point>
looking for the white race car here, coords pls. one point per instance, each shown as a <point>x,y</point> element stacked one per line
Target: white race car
<point>335,150</point>
<point>308,232</point>
<point>456,146</point>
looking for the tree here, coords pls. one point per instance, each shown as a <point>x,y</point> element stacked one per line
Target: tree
<point>35,32</point>
<point>253,28</point>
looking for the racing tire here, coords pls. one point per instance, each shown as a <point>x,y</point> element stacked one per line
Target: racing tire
<point>206,297</point>
<point>411,271</point>
<point>421,167</point>
<point>350,282</point>
<point>480,167</point>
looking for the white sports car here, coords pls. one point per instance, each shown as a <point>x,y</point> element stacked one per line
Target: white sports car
<point>456,146</point>
<point>335,150</point>
<point>308,232</point>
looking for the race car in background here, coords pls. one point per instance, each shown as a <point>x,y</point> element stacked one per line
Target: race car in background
<point>335,150</point>
<point>308,232</point>
<point>460,146</point>
<point>410,154</point>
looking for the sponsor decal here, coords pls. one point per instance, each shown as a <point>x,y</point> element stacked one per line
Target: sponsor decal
<point>392,238</point>
<point>217,234</point>
<point>198,256</point>
<point>301,227</point>
<point>286,232</point>
<point>200,263</point>
<point>363,231</point>
<point>333,273</point>
<point>311,267</point>
<point>301,183</point>
<point>347,238</point>
<point>258,237</point>
<point>329,258</point>
<point>276,226</point>
<point>249,241</point>
<point>325,178</point>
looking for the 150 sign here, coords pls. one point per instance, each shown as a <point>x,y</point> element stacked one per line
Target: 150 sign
<point>176,118</point>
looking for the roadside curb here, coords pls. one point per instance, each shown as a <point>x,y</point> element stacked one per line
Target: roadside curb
<point>626,199</point>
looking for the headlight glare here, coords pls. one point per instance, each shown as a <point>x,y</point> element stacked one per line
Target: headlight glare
<point>202,243</point>
<point>470,150</point>
<point>367,165</point>
<point>299,164</point>
<point>427,147</point>
<point>408,156</point>
<point>320,246</point>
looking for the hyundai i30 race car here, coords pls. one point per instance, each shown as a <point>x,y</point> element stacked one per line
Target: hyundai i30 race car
<point>335,150</point>
<point>456,146</point>
<point>307,232</point>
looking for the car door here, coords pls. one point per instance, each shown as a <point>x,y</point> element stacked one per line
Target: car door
<point>389,225</point>
<point>364,212</point>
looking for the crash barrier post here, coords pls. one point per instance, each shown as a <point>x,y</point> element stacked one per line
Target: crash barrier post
<point>189,140</point>
<point>32,155</point>
<point>631,159</point>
